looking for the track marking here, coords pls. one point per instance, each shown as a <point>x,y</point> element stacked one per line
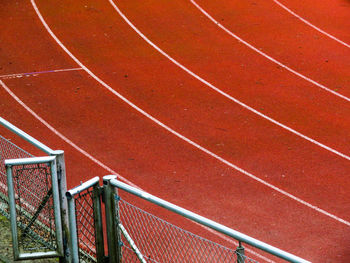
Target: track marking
<point>223,93</point>
<point>267,56</point>
<point>21,75</point>
<point>178,134</point>
<point>64,138</point>
<point>310,24</point>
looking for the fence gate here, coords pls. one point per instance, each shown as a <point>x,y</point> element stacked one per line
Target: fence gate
<point>35,214</point>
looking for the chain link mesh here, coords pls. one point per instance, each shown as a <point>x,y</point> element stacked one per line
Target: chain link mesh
<point>160,241</point>
<point>34,208</point>
<point>8,150</point>
<point>84,212</point>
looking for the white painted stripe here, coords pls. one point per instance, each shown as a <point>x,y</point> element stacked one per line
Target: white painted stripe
<point>267,56</point>
<point>20,75</point>
<point>178,134</point>
<point>312,25</point>
<point>225,94</point>
<point>64,138</point>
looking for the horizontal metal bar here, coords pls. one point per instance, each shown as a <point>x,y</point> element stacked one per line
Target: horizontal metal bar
<point>76,190</point>
<point>209,223</point>
<point>33,160</point>
<point>37,255</point>
<point>26,136</point>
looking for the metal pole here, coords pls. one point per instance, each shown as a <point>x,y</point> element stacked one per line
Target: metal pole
<point>57,208</point>
<point>73,241</point>
<point>113,235</point>
<point>240,253</point>
<point>62,188</point>
<point>100,252</point>
<point>13,216</point>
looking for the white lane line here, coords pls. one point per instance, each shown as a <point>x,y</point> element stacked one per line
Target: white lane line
<point>267,56</point>
<point>312,25</point>
<point>28,74</point>
<point>225,94</point>
<point>178,134</point>
<point>64,138</point>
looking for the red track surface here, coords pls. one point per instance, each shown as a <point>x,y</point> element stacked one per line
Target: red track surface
<point>163,164</point>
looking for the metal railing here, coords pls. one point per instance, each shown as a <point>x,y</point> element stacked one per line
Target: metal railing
<point>169,237</point>
<point>40,225</point>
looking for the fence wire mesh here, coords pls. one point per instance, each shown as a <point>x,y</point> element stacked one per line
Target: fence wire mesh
<point>84,212</point>
<point>160,241</point>
<point>34,208</point>
<point>8,150</point>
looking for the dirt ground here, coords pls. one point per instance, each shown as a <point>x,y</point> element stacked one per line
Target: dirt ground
<point>6,252</point>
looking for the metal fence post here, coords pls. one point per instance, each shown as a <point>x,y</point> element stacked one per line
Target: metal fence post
<point>62,186</point>
<point>100,252</point>
<point>240,253</point>
<point>73,241</point>
<point>113,234</point>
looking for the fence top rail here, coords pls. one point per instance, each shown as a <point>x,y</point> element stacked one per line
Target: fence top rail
<point>33,160</point>
<point>26,137</point>
<point>206,222</point>
<point>76,190</point>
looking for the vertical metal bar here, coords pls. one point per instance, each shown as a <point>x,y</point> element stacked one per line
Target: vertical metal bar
<point>73,241</point>
<point>100,253</point>
<point>62,187</point>
<point>240,253</point>
<point>113,236</point>
<point>13,215</point>
<point>57,209</point>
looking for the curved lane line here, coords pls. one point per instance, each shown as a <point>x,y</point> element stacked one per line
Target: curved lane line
<point>64,138</point>
<point>225,94</point>
<point>267,56</point>
<point>178,134</point>
<point>312,25</point>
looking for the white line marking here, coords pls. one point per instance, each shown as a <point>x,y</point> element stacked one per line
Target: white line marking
<point>21,75</point>
<point>106,167</point>
<point>178,134</point>
<point>65,138</point>
<point>312,25</point>
<point>267,56</point>
<point>225,94</point>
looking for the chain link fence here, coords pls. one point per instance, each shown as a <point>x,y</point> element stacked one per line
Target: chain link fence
<point>140,236</point>
<point>159,241</point>
<point>34,208</point>
<point>33,196</point>
<point>8,150</point>
<point>84,209</point>
<point>85,221</point>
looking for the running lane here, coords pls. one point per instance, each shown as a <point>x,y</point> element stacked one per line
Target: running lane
<point>189,107</point>
<point>241,72</point>
<point>332,17</point>
<point>286,39</point>
<point>138,148</point>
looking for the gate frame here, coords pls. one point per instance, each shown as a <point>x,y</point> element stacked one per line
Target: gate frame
<point>51,161</point>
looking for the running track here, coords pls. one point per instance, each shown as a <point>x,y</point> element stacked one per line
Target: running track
<point>179,138</point>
